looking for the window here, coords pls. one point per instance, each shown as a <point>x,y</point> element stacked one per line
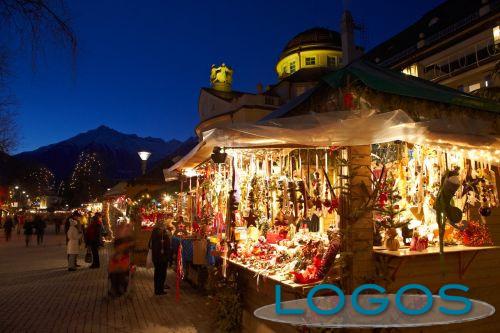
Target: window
<point>496,34</point>
<point>411,70</point>
<point>284,69</point>
<point>292,67</point>
<point>310,61</point>
<point>331,61</point>
<point>340,61</point>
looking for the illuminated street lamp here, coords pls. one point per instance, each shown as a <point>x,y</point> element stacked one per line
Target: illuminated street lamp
<point>144,155</point>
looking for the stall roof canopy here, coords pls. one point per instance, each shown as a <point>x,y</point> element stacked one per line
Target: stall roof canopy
<point>391,82</point>
<point>397,83</point>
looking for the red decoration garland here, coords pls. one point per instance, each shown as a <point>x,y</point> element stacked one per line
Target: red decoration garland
<point>180,273</point>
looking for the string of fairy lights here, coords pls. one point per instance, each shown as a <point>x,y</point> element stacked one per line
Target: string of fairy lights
<point>87,173</point>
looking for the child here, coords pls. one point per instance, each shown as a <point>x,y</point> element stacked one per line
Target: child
<point>119,262</point>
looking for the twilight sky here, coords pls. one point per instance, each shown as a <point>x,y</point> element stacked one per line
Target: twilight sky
<point>140,64</point>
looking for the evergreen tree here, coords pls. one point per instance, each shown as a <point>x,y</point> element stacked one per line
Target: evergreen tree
<point>87,180</point>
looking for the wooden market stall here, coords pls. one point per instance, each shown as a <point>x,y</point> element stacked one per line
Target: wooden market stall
<point>403,171</point>
<point>142,202</point>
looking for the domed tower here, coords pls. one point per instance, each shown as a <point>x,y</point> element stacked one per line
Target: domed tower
<point>316,50</point>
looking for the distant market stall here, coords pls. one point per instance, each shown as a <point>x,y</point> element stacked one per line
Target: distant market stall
<point>373,176</point>
<point>141,202</point>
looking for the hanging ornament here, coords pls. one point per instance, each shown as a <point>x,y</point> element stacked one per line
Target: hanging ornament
<point>485,211</point>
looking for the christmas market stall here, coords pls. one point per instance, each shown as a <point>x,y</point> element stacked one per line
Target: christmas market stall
<point>141,202</point>
<point>263,207</point>
<point>394,177</point>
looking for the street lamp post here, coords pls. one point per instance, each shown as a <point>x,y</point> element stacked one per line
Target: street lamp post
<point>144,155</point>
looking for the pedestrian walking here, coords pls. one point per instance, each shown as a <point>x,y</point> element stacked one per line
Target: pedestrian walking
<point>93,238</point>
<point>40,226</point>
<point>28,229</point>
<point>119,267</point>
<point>7,228</point>
<point>57,225</point>
<point>73,247</point>
<point>17,222</point>
<point>159,243</point>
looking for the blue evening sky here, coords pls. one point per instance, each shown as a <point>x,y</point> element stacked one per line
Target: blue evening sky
<point>140,64</point>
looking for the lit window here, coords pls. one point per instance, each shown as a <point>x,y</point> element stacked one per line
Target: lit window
<point>496,34</point>
<point>310,61</point>
<point>474,86</point>
<point>284,69</point>
<point>331,61</point>
<point>411,70</point>
<point>292,67</point>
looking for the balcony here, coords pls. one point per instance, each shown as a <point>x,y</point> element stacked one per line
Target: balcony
<point>471,57</point>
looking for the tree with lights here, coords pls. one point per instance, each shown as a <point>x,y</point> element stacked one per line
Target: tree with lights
<point>87,180</point>
<point>39,181</point>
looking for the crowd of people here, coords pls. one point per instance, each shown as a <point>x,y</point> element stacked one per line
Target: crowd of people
<point>29,224</point>
<point>85,231</point>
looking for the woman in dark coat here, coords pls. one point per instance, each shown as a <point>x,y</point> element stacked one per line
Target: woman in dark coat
<point>40,226</point>
<point>93,238</point>
<point>28,230</point>
<point>7,227</point>
<point>159,243</point>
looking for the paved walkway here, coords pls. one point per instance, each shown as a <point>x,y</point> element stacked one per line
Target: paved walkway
<point>38,294</point>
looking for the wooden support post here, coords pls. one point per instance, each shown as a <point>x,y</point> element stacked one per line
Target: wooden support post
<point>359,238</point>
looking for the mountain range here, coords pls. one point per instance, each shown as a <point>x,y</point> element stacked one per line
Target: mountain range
<point>116,150</point>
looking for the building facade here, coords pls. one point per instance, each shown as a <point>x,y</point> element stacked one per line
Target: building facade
<point>456,44</point>
<point>305,58</point>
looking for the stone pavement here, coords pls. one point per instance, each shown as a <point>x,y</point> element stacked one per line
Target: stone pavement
<point>38,294</point>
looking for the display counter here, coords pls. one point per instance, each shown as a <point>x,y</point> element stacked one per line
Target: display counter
<point>258,289</point>
<point>396,259</point>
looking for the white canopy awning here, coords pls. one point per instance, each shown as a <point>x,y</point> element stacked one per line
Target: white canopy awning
<point>346,128</point>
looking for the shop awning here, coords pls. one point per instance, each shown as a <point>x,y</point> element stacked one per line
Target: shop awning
<point>242,136</point>
<point>345,128</point>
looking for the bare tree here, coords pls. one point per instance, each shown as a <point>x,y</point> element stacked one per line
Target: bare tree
<point>35,20</point>
<point>31,22</point>
<point>8,126</point>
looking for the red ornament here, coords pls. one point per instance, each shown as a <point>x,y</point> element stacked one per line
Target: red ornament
<point>382,199</point>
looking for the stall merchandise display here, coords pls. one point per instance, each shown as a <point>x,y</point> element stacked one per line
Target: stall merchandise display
<point>273,206</point>
<point>430,193</point>
<point>281,260</point>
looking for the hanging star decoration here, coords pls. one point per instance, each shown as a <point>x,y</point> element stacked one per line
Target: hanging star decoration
<point>470,184</point>
<point>251,219</point>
